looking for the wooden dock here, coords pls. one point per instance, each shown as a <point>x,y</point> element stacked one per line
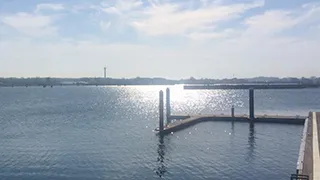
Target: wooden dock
<point>179,122</point>
<point>308,164</point>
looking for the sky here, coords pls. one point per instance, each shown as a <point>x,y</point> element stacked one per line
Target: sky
<point>160,38</point>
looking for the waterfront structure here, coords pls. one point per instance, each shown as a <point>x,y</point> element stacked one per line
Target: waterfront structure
<point>105,72</point>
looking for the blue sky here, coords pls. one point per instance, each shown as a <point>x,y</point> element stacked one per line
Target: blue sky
<point>160,38</point>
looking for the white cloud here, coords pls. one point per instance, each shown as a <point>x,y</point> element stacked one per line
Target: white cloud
<point>54,7</point>
<point>121,6</point>
<point>104,25</point>
<point>157,18</point>
<point>204,2</point>
<point>273,22</point>
<point>174,19</point>
<point>111,10</point>
<point>211,35</point>
<point>79,8</point>
<point>270,22</point>
<point>127,5</point>
<point>313,13</point>
<point>31,24</point>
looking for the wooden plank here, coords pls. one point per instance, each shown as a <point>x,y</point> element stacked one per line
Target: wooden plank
<point>179,125</point>
<point>181,116</point>
<point>187,120</point>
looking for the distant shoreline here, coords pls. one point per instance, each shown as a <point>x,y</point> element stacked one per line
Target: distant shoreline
<point>186,87</point>
<point>193,83</point>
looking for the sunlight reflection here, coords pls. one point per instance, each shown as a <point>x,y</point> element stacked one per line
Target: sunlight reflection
<point>204,102</point>
<point>183,101</point>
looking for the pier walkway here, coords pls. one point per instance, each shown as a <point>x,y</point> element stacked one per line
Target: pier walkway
<point>179,122</point>
<point>309,158</point>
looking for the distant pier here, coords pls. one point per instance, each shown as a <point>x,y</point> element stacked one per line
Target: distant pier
<point>251,86</point>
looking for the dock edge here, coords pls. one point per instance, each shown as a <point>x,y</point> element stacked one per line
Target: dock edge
<point>302,148</point>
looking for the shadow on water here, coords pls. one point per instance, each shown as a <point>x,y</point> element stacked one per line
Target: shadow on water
<point>161,169</point>
<point>251,142</point>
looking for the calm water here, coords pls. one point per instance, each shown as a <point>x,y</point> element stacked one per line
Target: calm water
<point>107,133</point>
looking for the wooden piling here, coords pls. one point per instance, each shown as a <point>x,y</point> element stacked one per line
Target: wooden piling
<point>168,108</point>
<point>232,111</point>
<point>161,111</point>
<point>251,103</point>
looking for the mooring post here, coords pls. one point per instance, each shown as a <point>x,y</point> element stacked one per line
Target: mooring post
<point>232,111</point>
<point>161,111</point>
<point>168,110</point>
<point>251,103</point>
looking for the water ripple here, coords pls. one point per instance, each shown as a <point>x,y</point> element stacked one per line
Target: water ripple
<point>106,133</point>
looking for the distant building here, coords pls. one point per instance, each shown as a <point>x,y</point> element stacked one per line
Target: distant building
<point>105,72</point>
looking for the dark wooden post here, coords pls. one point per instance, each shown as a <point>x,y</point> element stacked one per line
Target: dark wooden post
<point>232,111</point>
<point>251,103</point>
<point>168,108</point>
<point>161,111</point>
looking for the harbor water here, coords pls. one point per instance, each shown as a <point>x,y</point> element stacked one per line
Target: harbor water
<point>81,133</point>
